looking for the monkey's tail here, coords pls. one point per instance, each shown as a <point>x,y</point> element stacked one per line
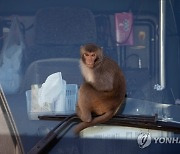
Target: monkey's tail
<point>100,119</point>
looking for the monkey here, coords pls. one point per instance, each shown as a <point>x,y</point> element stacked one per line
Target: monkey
<point>104,88</point>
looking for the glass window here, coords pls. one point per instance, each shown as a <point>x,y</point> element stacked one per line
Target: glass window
<point>41,39</point>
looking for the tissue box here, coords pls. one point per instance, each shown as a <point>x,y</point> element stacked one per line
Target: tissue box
<point>70,104</point>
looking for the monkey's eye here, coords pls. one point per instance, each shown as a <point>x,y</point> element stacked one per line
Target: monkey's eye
<point>86,54</point>
<point>93,55</point>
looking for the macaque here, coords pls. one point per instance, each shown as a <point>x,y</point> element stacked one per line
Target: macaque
<point>103,90</point>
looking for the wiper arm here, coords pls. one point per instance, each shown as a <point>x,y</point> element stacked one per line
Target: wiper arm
<point>52,135</point>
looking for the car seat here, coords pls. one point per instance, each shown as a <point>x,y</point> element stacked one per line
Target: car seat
<point>59,32</point>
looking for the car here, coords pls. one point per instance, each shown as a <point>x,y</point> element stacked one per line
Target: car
<point>39,60</point>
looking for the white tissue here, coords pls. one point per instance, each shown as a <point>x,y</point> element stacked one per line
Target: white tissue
<point>52,93</point>
<point>60,104</point>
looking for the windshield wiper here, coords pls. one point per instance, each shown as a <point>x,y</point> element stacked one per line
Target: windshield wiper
<point>138,121</point>
<point>142,121</point>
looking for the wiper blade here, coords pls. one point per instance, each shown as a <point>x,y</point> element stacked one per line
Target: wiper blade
<point>130,118</point>
<point>139,121</point>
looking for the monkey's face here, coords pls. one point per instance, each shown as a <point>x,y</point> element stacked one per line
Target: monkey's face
<point>89,59</point>
<point>91,55</point>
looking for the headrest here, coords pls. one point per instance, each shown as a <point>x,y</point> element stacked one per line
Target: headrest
<point>64,26</point>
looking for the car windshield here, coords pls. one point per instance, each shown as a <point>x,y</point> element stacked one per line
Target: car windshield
<point>40,51</point>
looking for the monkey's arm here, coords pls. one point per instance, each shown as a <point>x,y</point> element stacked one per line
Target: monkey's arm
<point>104,82</point>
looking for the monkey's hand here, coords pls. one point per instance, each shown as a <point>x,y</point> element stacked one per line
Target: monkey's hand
<point>84,114</point>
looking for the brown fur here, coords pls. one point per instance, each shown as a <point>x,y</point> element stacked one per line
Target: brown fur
<point>103,90</point>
